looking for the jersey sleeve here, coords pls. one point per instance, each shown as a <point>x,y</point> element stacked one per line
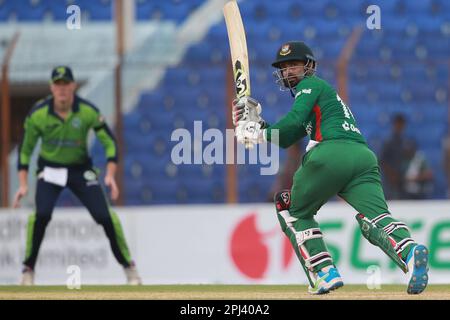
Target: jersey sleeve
<point>287,135</point>
<point>106,138</point>
<point>30,138</point>
<point>291,127</point>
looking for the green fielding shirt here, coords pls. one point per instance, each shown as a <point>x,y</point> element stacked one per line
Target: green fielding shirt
<point>319,112</point>
<point>64,142</point>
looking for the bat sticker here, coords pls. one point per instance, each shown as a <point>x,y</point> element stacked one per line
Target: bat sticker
<point>240,79</point>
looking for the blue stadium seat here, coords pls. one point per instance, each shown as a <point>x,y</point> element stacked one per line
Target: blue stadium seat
<point>417,7</point>
<point>99,10</point>
<point>386,6</point>
<point>313,7</point>
<point>387,75</point>
<point>436,48</point>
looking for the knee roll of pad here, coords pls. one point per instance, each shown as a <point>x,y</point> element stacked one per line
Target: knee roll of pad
<point>282,200</point>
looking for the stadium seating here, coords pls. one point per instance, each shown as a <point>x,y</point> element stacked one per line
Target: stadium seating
<point>390,73</point>
<point>97,10</point>
<point>402,68</point>
<point>414,86</point>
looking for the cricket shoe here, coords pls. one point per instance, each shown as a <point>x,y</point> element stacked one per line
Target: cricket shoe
<point>326,280</point>
<point>132,275</point>
<point>417,262</point>
<point>27,277</point>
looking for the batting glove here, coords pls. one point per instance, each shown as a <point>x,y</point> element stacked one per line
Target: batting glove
<point>250,133</point>
<point>246,109</point>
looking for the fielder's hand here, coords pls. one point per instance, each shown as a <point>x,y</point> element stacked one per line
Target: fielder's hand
<point>249,133</point>
<point>21,192</point>
<point>110,182</point>
<point>246,109</point>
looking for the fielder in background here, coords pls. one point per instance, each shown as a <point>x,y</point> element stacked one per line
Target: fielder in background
<point>63,121</point>
<point>337,162</point>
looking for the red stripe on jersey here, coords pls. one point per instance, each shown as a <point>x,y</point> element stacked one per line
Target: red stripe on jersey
<point>316,110</point>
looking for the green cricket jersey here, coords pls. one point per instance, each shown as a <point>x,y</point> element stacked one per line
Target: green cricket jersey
<point>319,112</point>
<point>64,142</point>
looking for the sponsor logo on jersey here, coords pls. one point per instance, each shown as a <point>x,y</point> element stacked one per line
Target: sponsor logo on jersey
<point>350,127</point>
<point>64,143</point>
<point>307,91</point>
<point>90,175</point>
<point>76,123</point>
<point>285,50</point>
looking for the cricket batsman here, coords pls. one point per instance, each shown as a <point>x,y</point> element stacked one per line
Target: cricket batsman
<point>62,121</point>
<point>338,161</point>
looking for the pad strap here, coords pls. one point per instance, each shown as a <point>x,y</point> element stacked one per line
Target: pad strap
<point>401,245</point>
<point>313,261</point>
<point>308,234</point>
<point>391,227</point>
<point>380,217</point>
<point>310,261</point>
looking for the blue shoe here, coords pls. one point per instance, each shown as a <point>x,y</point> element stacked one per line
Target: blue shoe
<point>417,262</point>
<point>326,281</point>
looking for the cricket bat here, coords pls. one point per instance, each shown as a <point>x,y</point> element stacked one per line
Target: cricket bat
<point>238,48</point>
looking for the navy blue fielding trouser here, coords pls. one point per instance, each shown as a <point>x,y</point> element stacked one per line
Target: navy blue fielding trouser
<point>83,182</point>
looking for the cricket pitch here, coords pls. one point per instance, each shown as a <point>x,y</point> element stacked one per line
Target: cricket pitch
<point>217,292</point>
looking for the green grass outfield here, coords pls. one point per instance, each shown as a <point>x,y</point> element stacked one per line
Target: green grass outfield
<point>218,292</point>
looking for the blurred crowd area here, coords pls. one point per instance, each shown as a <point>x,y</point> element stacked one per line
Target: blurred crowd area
<point>397,83</point>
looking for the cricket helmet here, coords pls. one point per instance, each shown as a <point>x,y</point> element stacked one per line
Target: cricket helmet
<point>293,51</point>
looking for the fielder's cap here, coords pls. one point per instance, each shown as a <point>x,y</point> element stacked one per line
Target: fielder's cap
<point>62,73</point>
